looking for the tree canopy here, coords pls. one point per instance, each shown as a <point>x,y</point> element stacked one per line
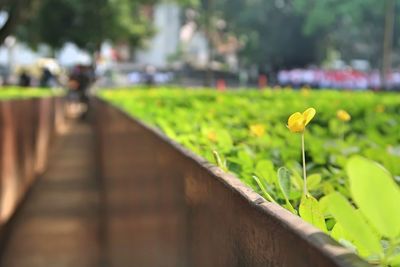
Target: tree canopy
<point>87,23</point>
<point>15,12</point>
<point>295,33</point>
<point>275,34</point>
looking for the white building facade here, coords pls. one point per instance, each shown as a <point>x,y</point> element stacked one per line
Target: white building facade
<point>167,22</point>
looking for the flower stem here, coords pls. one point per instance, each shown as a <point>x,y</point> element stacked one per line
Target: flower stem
<point>305,191</point>
<point>343,130</point>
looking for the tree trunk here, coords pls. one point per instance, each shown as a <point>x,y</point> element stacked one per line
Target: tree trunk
<point>209,75</point>
<point>387,42</point>
<point>9,26</point>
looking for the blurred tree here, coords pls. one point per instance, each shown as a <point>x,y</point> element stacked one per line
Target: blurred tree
<point>296,33</point>
<point>14,11</point>
<point>272,33</point>
<point>275,34</point>
<point>354,28</point>
<point>388,41</point>
<point>88,23</point>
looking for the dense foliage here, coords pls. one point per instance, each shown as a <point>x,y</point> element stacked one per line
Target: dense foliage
<point>17,12</point>
<point>87,23</point>
<point>287,34</point>
<point>249,126</point>
<point>18,92</point>
<point>245,132</point>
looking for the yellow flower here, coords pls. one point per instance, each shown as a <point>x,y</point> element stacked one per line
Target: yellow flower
<point>212,136</point>
<point>380,108</point>
<point>297,122</point>
<point>305,91</point>
<point>343,115</point>
<point>257,130</point>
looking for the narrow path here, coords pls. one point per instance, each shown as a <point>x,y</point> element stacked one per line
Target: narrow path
<point>59,224</point>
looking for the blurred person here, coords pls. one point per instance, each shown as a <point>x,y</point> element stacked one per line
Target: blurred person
<point>134,78</point>
<point>24,79</point>
<point>328,80</point>
<point>221,84</point>
<point>308,77</point>
<point>296,77</point>
<point>396,80</point>
<point>375,80</point>
<point>362,81</point>
<point>243,78</point>
<point>262,81</point>
<point>80,80</point>
<point>73,105</point>
<point>150,71</point>
<point>283,78</point>
<point>45,78</point>
<point>337,79</point>
<point>318,75</point>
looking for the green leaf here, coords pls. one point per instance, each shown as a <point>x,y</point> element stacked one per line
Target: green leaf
<point>284,181</point>
<point>328,188</point>
<point>323,205</point>
<point>224,140</point>
<point>297,180</point>
<point>354,225</point>
<point>340,234</point>
<point>313,181</point>
<point>310,212</point>
<point>376,194</point>
<point>395,260</point>
<point>265,170</point>
<point>245,160</point>
<point>285,185</point>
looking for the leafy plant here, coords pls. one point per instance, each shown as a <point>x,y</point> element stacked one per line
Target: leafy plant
<point>373,225</point>
<point>351,198</point>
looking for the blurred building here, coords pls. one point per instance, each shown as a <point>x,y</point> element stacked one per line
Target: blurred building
<point>167,22</point>
<point>179,39</point>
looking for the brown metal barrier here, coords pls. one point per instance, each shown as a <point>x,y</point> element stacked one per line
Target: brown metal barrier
<point>26,129</point>
<point>166,206</point>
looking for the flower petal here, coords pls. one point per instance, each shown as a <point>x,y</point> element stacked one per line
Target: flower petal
<point>295,122</point>
<point>294,117</point>
<point>308,115</point>
<point>343,115</point>
<point>297,126</point>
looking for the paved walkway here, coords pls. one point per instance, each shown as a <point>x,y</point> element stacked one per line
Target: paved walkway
<point>59,225</point>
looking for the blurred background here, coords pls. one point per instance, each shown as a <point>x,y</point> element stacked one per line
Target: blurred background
<point>224,43</point>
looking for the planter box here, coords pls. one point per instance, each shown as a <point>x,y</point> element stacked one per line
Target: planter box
<point>26,129</point>
<point>166,206</point>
